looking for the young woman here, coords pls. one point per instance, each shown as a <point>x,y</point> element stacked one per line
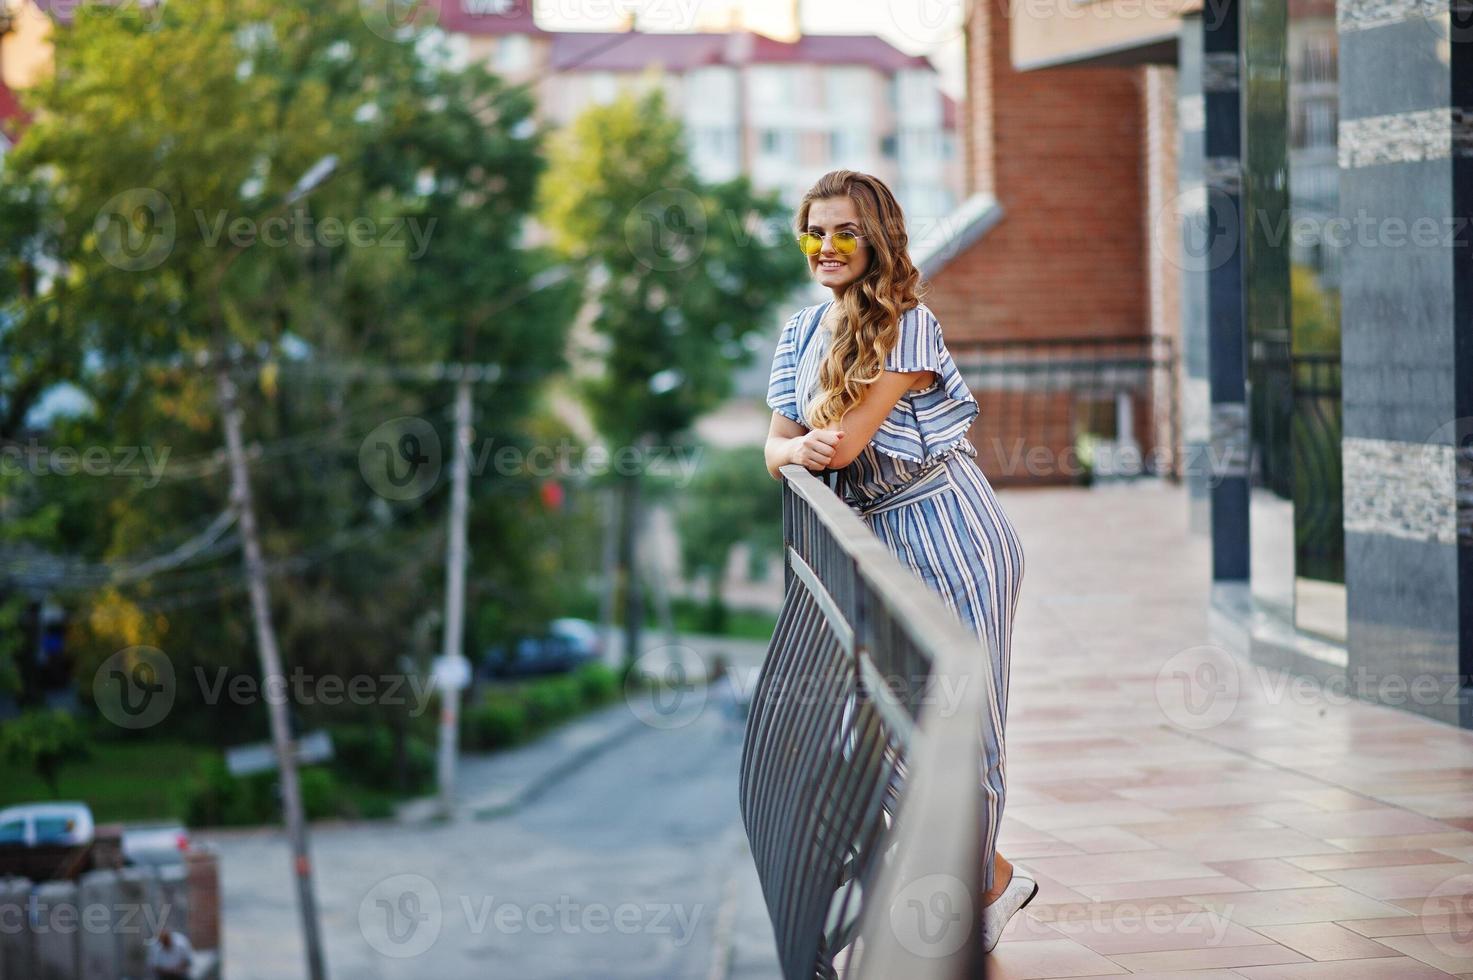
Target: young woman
<point>863,384</point>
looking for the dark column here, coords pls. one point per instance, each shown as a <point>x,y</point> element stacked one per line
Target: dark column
<point>1406,194</point>
<point>1222,169</point>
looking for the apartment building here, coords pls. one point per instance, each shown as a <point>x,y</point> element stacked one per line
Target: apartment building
<point>783,112</point>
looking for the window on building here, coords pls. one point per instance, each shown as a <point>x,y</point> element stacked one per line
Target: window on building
<point>514,53</point>
<point>780,144</point>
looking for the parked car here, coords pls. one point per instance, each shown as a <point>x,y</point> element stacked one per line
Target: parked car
<point>564,644</point>
<point>70,824</point>
<point>155,843</point>
<point>65,824</point>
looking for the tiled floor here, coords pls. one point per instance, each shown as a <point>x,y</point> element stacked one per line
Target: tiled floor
<point>1189,815</point>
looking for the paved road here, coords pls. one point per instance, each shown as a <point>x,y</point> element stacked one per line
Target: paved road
<point>634,866</point>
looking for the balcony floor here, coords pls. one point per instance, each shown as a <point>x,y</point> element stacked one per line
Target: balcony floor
<point>1190,815</point>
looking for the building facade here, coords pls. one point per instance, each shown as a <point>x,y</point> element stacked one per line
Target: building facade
<point>782,111</point>
<point>1286,193</point>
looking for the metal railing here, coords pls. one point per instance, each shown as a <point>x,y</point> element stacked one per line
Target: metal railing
<point>1295,413</point>
<point>1045,393</point>
<point>861,786</point>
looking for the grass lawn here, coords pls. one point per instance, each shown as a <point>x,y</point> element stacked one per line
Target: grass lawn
<point>121,780</point>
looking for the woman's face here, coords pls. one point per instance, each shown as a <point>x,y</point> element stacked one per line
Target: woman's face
<point>829,268</point>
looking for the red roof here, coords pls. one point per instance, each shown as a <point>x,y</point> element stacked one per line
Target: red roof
<point>487,17</point>
<point>633,50</point>
<point>836,49</point>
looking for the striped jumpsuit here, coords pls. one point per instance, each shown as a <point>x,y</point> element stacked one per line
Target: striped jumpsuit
<point>918,487</point>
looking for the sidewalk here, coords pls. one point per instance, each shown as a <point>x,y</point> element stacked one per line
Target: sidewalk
<point>1189,815</point>
<point>490,785</point>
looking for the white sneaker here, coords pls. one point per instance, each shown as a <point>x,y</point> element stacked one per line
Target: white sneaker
<point>1016,895</point>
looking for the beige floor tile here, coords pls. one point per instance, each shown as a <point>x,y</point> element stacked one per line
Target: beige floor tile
<point>1363,823</point>
<point>1047,959</point>
<point>1325,941</point>
<point>1398,968</point>
<point>1114,892</point>
<point>1240,845</point>
<point>1055,816</point>
<point>1207,959</point>
<point>1131,866</point>
<point>1268,873</point>
<point>1291,905</point>
<point>1103,840</point>
<point>1118,933</point>
<point>1374,859</point>
<point>1181,975</point>
<point>1403,882</point>
<point>1456,838</point>
<point>1444,951</point>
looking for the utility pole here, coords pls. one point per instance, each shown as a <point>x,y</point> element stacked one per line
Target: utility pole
<point>455,594</point>
<point>273,679</point>
<point>255,568</point>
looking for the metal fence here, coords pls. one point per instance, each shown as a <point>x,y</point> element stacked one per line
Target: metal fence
<point>1039,397</point>
<point>1296,417</point>
<point>861,770</point>
<point>100,924</point>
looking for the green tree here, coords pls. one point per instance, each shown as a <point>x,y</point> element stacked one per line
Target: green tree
<point>159,225</point>
<point>730,503</point>
<point>680,272</point>
<point>43,741</point>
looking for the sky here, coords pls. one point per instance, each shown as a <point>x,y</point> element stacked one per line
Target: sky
<point>929,27</point>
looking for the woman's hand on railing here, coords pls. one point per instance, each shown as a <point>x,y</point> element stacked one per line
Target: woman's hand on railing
<point>815,449</point>
<point>788,442</point>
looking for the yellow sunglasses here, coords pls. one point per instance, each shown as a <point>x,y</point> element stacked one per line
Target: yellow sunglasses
<point>845,242</point>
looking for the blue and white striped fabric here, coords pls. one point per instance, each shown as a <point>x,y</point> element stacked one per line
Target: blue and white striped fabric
<point>924,426</point>
<point>918,487</point>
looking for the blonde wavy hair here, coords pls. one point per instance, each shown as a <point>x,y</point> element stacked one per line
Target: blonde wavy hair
<point>871,306</point>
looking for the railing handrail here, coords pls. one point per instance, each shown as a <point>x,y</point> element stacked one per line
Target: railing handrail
<point>938,824</point>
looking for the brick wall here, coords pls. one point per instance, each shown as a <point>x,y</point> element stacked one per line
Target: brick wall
<point>1072,157</point>
<point>1061,149</point>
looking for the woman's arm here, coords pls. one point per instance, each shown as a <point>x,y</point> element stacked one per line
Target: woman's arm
<point>789,442</point>
<point>862,421</point>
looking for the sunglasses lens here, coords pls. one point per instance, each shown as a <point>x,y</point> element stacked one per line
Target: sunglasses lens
<point>810,244</point>
<point>845,243</point>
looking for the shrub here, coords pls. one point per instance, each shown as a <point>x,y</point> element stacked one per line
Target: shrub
<point>498,721</point>
<point>365,754</point>
<point>320,793</point>
<point>44,741</point>
<point>552,700</point>
<point>217,798</point>
<point>596,683</point>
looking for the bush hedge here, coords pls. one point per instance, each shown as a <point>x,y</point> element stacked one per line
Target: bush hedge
<point>507,714</point>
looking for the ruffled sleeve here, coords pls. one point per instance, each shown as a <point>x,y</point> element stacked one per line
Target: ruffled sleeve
<point>781,395</point>
<point>931,422</point>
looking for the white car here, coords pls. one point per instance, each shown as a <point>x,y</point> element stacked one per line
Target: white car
<point>70,824</point>
<point>46,824</point>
